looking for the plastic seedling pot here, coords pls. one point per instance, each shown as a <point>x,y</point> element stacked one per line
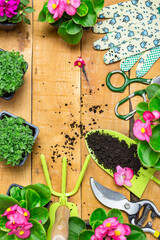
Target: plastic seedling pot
<point>34,129</point>
<point>9,96</point>
<point>7,26</point>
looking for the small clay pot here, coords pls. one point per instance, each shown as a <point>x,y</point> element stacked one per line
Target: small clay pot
<point>34,129</point>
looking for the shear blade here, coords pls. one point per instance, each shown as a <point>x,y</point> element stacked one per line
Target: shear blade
<point>113,199</point>
<point>156,80</point>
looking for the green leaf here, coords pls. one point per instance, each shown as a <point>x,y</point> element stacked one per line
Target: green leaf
<point>37,231</point>
<point>39,213</point>
<point>90,19</point>
<point>98,5</point>
<point>136,233</point>
<point>157,93</point>
<point>154,104</point>
<point>15,192</point>
<point>152,89</point>
<point>76,225</point>
<point>71,39</point>
<point>3,221</point>
<point>23,203</point>
<point>155,139</point>
<point>86,234</point>
<point>146,154</point>
<point>42,190</point>
<point>49,18</point>
<point>29,10</point>
<point>26,20</point>
<point>32,199</point>
<point>82,10</point>
<point>42,17</point>
<point>96,224</point>
<point>6,202</point>
<point>24,2</point>
<point>157,165</point>
<point>17,20</point>
<point>97,215</point>
<point>141,108</point>
<point>73,28</point>
<point>5,236</point>
<point>3,19</point>
<point>116,213</point>
<point>47,224</point>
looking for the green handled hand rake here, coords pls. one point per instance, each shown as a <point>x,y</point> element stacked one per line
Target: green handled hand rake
<point>61,211</point>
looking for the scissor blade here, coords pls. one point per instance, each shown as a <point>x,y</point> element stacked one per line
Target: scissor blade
<point>156,80</point>
<point>113,199</point>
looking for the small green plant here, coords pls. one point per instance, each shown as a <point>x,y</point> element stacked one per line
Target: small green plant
<point>16,140</point>
<point>12,68</point>
<point>147,128</point>
<point>23,214</point>
<point>71,17</point>
<point>104,226</point>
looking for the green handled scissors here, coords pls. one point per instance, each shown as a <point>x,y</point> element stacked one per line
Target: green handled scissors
<point>128,81</point>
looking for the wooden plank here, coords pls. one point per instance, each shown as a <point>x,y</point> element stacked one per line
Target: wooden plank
<point>56,104</point>
<point>19,39</point>
<point>96,93</point>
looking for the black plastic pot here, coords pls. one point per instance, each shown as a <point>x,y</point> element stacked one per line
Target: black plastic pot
<point>16,185</point>
<point>34,129</point>
<point>7,26</point>
<point>9,96</point>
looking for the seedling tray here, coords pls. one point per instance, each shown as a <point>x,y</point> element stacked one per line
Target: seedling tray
<point>9,96</point>
<point>34,129</point>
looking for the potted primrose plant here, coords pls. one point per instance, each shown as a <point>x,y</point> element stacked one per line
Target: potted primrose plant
<point>24,212</point>
<point>104,226</point>
<point>12,12</point>
<point>16,139</point>
<point>71,17</point>
<point>12,69</point>
<point>147,128</point>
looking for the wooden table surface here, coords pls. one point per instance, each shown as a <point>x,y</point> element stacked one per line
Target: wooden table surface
<point>57,98</point>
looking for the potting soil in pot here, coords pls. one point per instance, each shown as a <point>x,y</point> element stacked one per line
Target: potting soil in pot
<point>111,152</point>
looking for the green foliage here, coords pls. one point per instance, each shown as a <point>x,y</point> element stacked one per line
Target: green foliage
<point>38,231</point>
<point>149,153</point>
<point>16,140</point>
<point>70,27</point>
<point>21,13</point>
<point>12,68</point>
<point>77,229</point>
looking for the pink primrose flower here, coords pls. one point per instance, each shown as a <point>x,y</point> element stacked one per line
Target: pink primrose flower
<point>100,232</point>
<point>10,210</point>
<point>23,212</point>
<point>120,232</point>
<point>71,6</point>
<point>8,8</point>
<point>142,131</point>
<point>11,224</point>
<point>22,231</point>
<point>110,223</point>
<point>56,7</point>
<point>123,176</point>
<point>147,115</point>
<point>79,62</point>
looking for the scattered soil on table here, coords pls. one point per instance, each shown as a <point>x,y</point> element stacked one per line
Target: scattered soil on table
<point>111,152</point>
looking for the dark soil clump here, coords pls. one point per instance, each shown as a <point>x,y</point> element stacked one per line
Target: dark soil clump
<point>111,152</point>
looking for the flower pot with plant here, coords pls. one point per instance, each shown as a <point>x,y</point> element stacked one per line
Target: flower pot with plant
<point>23,214</point>
<point>71,17</point>
<point>13,12</point>
<point>12,69</point>
<point>104,225</point>
<point>16,139</point>
<point>147,128</point>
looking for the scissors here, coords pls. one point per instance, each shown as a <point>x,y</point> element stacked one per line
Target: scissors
<point>113,199</point>
<point>128,81</point>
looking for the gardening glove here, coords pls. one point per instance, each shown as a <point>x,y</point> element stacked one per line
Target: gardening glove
<point>146,61</point>
<point>133,28</point>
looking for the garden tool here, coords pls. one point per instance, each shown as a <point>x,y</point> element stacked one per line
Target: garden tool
<point>61,211</point>
<point>128,81</point>
<point>132,28</point>
<point>139,182</point>
<point>113,199</point>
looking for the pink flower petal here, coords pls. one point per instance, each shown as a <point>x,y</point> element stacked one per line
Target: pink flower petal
<point>120,170</point>
<point>128,173</point>
<point>147,115</point>
<point>156,114</point>
<point>75,3</point>
<point>94,237</point>
<point>127,183</point>
<point>70,10</point>
<point>128,230</point>
<point>119,180</point>
<point>148,128</point>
